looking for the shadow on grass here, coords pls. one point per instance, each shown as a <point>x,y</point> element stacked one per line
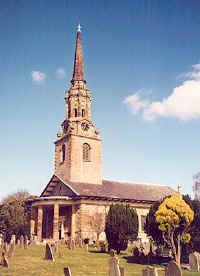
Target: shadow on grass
<point>96,251</point>
<point>147,260</point>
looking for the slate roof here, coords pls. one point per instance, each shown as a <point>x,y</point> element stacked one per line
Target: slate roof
<point>108,189</point>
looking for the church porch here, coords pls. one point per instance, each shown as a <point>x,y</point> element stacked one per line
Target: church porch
<point>53,219</point>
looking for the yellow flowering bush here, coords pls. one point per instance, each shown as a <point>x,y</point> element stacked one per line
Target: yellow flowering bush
<point>174,216</point>
<point>173,211</point>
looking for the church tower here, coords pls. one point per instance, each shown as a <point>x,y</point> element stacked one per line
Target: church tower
<point>78,146</point>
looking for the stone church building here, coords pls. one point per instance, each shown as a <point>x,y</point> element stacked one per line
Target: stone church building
<point>76,198</point>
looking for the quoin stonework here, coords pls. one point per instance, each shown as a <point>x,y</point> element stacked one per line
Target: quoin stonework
<point>76,194</point>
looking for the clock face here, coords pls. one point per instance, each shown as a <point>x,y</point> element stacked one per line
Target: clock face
<point>84,126</point>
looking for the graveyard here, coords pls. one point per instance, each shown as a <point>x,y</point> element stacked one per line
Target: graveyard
<point>32,260</point>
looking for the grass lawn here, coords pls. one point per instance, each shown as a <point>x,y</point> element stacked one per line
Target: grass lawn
<point>30,262</point>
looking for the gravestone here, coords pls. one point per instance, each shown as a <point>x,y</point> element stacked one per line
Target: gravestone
<point>5,247</point>
<point>193,262</point>
<point>1,239</point>
<point>56,246</point>
<point>72,244</point>
<point>18,242</point>
<point>86,247</point>
<point>150,271</point>
<point>25,242</point>
<point>22,241</point>
<point>13,239</point>
<point>121,269</point>
<point>68,244</point>
<point>173,269</point>
<point>4,260</point>
<point>67,271</point>
<point>48,253</point>
<point>11,250</point>
<point>62,241</point>
<point>197,254</point>
<point>114,269</point>
<point>80,243</point>
<point>146,249</point>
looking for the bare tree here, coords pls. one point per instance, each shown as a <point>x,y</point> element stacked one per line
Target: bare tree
<point>20,194</point>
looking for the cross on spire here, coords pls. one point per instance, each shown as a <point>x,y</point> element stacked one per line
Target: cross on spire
<point>79,28</point>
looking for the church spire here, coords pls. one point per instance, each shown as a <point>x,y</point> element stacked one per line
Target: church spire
<point>78,72</point>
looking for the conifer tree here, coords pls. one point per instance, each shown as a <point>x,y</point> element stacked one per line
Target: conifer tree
<point>121,226</point>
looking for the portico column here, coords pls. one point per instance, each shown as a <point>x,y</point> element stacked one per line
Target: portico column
<point>32,222</point>
<point>55,222</point>
<point>39,224</point>
<point>139,224</point>
<point>73,225</point>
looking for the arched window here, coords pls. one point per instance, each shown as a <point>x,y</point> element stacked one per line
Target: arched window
<point>63,153</point>
<point>83,112</point>
<point>75,112</point>
<point>86,152</point>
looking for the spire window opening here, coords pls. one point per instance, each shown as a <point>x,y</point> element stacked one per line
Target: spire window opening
<point>83,112</point>
<point>86,152</point>
<point>75,112</point>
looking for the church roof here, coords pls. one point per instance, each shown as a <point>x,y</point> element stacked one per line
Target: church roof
<point>108,190</point>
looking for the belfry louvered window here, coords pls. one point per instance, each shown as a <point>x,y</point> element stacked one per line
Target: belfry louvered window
<point>63,153</point>
<point>83,112</point>
<point>86,152</point>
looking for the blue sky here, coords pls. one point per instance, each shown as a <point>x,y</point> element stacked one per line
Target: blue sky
<point>142,65</point>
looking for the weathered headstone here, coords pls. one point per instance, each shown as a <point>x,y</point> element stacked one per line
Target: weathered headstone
<point>197,254</point>
<point>146,249</point>
<point>5,247</point>
<point>149,271</point>
<point>25,242</point>
<point>67,271</point>
<point>22,241</point>
<point>13,239</point>
<point>121,269</point>
<point>62,241</point>
<point>72,244</point>
<point>11,250</point>
<point>48,253</point>
<point>86,247</point>
<point>113,265</point>
<point>193,262</point>
<point>173,269</point>
<point>56,246</point>
<point>68,243</point>
<point>18,242</point>
<point>80,243</point>
<point>4,260</point>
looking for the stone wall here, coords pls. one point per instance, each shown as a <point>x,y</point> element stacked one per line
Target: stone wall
<point>92,211</point>
<point>73,168</point>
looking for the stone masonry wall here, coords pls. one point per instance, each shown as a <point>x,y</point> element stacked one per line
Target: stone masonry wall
<point>89,211</point>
